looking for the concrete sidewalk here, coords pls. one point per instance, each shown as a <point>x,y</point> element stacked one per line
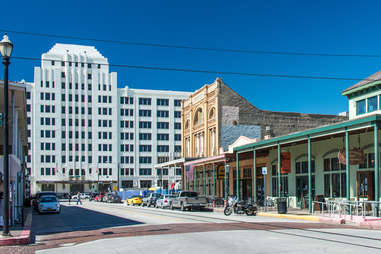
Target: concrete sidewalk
<point>19,235</point>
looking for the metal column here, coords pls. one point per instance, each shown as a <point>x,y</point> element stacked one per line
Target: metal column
<point>376,169</point>
<point>203,180</point>
<point>194,179</point>
<point>255,175</point>
<point>347,166</point>
<point>214,181</point>
<point>279,184</point>
<point>237,172</point>
<point>309,177</point>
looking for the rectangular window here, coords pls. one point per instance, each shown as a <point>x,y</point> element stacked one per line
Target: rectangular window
<point>162,102</point>
<point>177,126</point>
<point>145,125</point>
<point>162,148</point>
<point>145,113</point>
<point>162,136</point>
<point>372,104</point>
<point>162,113</point>
<point>177,103</point>
<point>360,107</point>
<point>162,125</point>
<point>177,114</point>
<point>144,101</point>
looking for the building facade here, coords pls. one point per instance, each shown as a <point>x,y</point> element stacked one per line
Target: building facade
<point>149,133</point>
<point>85,134</point>
<point>215,117</point>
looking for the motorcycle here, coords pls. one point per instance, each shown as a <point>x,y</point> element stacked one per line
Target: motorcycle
<point>240,207</point>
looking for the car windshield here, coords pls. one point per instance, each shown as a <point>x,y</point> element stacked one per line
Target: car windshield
<point>190,194</point>
<point>48,199</point>
<point>155,194</point>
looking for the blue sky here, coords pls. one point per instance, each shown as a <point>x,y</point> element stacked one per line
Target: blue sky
<point>337,27</point>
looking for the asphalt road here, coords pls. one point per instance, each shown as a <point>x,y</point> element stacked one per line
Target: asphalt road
<point>115,228</point>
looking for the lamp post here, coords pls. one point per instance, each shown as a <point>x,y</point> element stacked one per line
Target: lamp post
<point>6,47</point>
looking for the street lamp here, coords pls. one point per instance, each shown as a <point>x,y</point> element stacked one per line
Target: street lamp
<point>6,47</point>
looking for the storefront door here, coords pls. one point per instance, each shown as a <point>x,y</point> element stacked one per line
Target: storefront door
<point>365,185</point>
<point>302,190</point>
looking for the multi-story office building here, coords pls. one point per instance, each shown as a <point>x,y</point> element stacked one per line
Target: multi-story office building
<point>150,133</point>
<point>85,134</point>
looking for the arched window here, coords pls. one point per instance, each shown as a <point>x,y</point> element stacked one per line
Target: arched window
<point>198,117</point>
<point>212,113</point>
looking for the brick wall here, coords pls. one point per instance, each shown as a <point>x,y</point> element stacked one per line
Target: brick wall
<point>280,123</point>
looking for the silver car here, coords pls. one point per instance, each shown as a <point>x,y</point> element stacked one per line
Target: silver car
<point>49,204</point>
<point>164,201</point>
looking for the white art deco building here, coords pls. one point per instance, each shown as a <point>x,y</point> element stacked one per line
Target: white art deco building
<point>85,134</point>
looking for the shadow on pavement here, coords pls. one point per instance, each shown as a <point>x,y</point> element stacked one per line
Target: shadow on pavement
<point>76,218</point>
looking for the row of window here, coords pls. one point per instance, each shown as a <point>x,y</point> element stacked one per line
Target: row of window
<point>126,124</point>
<point>126,148</point>
<point>104,135</point>
<point>367,105</point>
<point>126,100</point>
<point>70,63</point>
<point>160,125</point>
<point>63,110</point>
<point>127,136</point>
<point>47,96</point>
<point>103,111</point>
<point>104,99</point>
<point>63,75</point>
<point>126,159</point>
<point>105,147</point>
<point>126,112</point>
<point>76,147</point>
<point>48,171</point>
<point>104,159</point>
<point>47,121</point>
<point>48,158</point>
<point>48,134</point>
<point>47,146</point>
<point>76,133</point>
<point>63,86</point>
<point>76,122</point>
<point>48,109</point>
<point>104,123</point>
<point>76,158</point>
<point>159,102</point>
<point>76,98</point>
<point>127,171</point>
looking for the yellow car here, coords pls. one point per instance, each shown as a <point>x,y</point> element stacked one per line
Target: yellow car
<point>137,200</point>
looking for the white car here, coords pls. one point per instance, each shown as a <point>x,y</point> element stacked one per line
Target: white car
<point>49,204</point>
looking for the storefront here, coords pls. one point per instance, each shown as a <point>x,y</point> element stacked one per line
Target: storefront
<point>339,161</point>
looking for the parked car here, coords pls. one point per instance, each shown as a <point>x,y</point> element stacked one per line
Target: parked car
<point>38,195</point>
<point>85,195</point>
<point>136,200</point>
<point>164,201</point>
<point>112,198</point>
<point>150,199</point>
<point>49,204</point>
<point>188,200</point>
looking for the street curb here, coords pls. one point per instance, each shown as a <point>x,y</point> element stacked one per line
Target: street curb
<point>290,216</point>
<point>24,237</point>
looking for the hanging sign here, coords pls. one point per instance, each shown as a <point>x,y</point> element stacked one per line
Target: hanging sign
<point>285,162</point>
<point>356,156</point>
<point>264,170</point>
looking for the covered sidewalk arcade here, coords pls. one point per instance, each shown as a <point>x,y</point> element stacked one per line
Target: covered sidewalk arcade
<point>315,168</point>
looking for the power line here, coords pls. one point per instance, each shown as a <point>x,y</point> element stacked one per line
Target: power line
<point>176,46</point>
<point>264,75</point>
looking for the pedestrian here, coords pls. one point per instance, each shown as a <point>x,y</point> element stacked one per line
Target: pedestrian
<point>79,198</point>
<point>69,195</point>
